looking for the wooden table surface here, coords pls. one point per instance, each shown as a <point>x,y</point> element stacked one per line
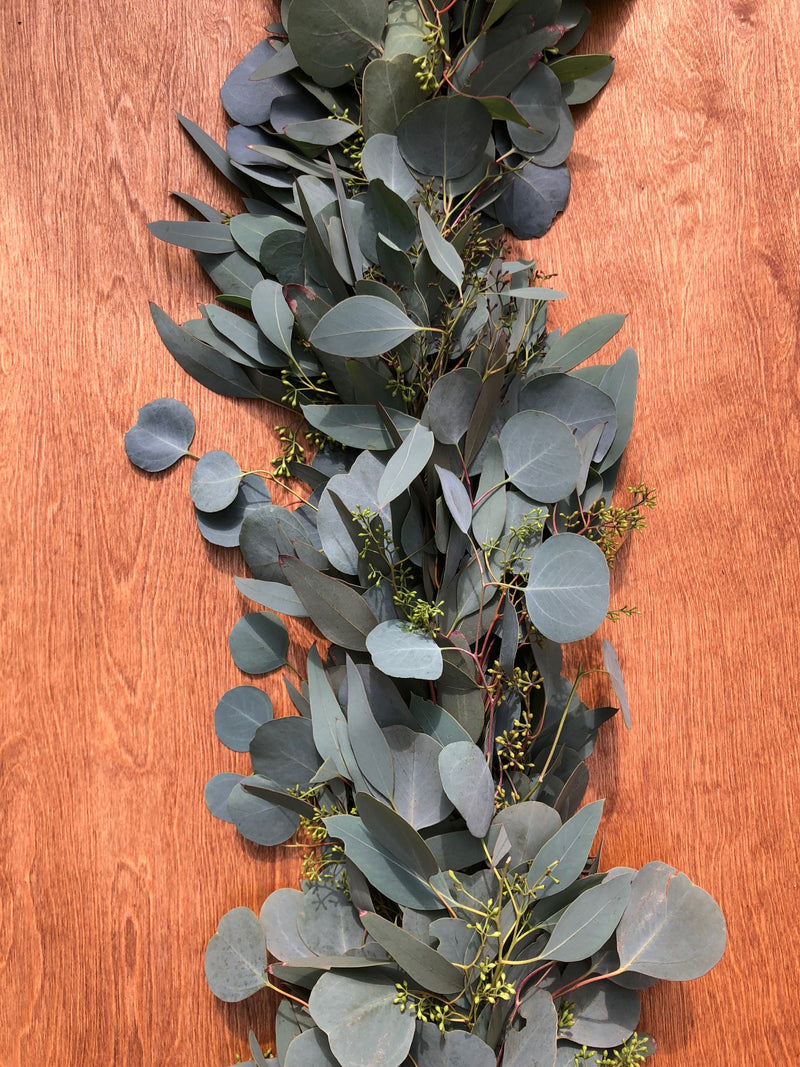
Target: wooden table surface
<point>684,214</point>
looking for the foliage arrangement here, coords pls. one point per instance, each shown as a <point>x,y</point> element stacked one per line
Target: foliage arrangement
<point>456,531</point>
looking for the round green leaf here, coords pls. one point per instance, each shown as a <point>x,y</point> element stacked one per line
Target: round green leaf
<point>541,456</point>
<point>331,39</point>
<point>217,791</point>
<point>257,819</point>
<point>365,1028</point>
<point>454,1048</point>
<point>236,957</point>
<point>259,643</point>
<point>223,527</point>
<point>310,1049</point>
<point>418,794</point>
<point>239,714</point>
<point>215,481</point>
<point>401,652</point>
<point>163,431</point>
<point>283,751</point>
<point>568,588</point>
<point>445,136</point>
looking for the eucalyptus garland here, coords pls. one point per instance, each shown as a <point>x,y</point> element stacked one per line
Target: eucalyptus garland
<point>457,528</point>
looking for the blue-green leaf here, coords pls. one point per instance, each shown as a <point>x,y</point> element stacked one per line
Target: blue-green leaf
<point>362,326</point>
<point>273,314</point>
<point>443,255</point>
<point>541,456</point>
<point>365,1028</point>
<point>568,588</point>
<point>407,462</point>
<point>468,783</point>
<point>259,643</point>
<point>582,341</point>
<point>215,481</point>
<point>163,431</point>
<point>238,715</point>
<point>401,652</point>
<point>236,957</point>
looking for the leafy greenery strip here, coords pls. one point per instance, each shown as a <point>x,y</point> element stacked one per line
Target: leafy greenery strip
<point>457,529</point>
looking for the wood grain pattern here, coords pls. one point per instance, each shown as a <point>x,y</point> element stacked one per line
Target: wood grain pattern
<point>684,214</point>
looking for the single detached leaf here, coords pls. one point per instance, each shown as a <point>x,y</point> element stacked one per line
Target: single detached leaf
<point>365,1028</point>
<point>421,963</point>
<point>407,462</point>
<point>238,715</point>
<point>236,957</point>
<point>163,431</point>
<point>615,674</point>
<point>215,481</point>
<point>541,456</point>
<point>362,326</point>
<point>259,643</point>
<point>257,818</point>
<point>568,588</point>
<point>401,652</point>
<point>468,782</point>
<point>443,255</point>
<point>445,137</point>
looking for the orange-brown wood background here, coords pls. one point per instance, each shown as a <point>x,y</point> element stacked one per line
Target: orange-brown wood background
<point>684,214</point>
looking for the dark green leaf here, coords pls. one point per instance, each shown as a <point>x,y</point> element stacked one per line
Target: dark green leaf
<point>356,425</point>
<point>366,737</point>
<point>309,1049</point>
<point>236,957</point>
<point>283,751</point>
<point>588,922</point>
<point>214,152</point>
<point>216,793</point>
<point>503,68</point>
<point>421,963</point>
<point>323,132</point>
<point>223,527</point>
<point>531,199</point>
<point>163,431</point>
<point>562,858</point>
<point>389,91</point>
<point>384,870</point>
<point>445,137</point>
<point>535,1044</point>
<point>381,158</point>
<point>468,782</point>
<point>259,643</point>
<point>331,39</point>
<point>208,367</point>
<point>245,335</point>
<point>328,922</point>
<point>577,403</point>
<point>418,795</point>
<point>585,89</point>
<point>451,403</point>
<point>249,101</point>
<point>444,257</point>
<point>337,610</point>
<point>259,820</point>
<point>238,715</point>
<point>568,588</point>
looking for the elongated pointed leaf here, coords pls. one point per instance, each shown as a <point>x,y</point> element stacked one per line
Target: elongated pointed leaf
<point>385,871</point>
<point>468,782</point>
<point>273,314</point>
<point>407,462</point>
<point>615,674</point>
<point>589,921</point>
<point>456,497</point>
<point>443,255</point>
<point>561,859</point>
<point>421,963</point>
<point>369,745</point>
<point>362,326</point>
<point>338,611</point>
<point>199,236</point>
<point>325,713</point>
<point>582,341</point>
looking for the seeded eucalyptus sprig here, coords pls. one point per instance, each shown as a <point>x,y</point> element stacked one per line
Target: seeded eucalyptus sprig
<point>456,528</point>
